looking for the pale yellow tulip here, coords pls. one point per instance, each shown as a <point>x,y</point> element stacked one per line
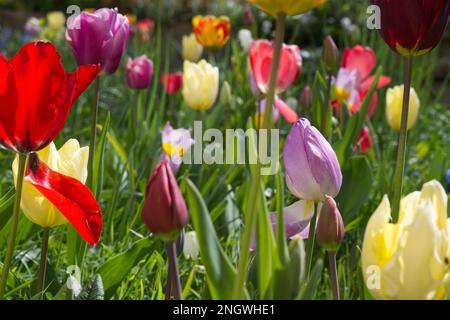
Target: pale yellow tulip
<point>56,20</point>
<point>394,104</point>
<point>200,84</point>
<point>192,50</point>
<point>70,160</point>
<point>409,259</point>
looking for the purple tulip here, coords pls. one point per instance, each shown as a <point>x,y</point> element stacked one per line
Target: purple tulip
<point>139,72</point>
<point>98,38</point>
<point>312,168</point>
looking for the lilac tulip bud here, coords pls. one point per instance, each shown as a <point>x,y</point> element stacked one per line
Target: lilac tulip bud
<point>330,226</point>
<point>312,167</point>
<point>164,211</point>
<point>98,38</point>
<point>139,72</point>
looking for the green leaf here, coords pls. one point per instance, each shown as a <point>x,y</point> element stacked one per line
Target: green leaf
<point>356,183</point>
<point>309,289</point>
<point>93,291</point>
<point>6,203</point>
<point>219,270</point>
<point>117,268</point>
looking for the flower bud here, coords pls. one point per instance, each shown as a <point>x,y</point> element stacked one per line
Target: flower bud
<point>394,106</point>
<point>164,211</point>
<point>139,72</point>
<point>330,54</point>
<point>192,50</point>
<point>226,97</point>
<point>248,16</point>
<point>172,82</point>
<point>305,99</point>
<point>330,227</point>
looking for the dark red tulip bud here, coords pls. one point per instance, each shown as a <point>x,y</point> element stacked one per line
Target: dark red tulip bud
<point>248,16</point>
<point>305,99</point>
<point>330,227</point>
<point>164,212</point>
<point>330,54</point>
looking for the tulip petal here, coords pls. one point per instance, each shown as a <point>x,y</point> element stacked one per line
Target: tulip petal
<point>289,114</point>
<point>360,58</point>
<point>72,198</point>
<point>8,98</point>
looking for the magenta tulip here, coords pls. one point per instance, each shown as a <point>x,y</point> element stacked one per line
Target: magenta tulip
<point>98,38</point>
<point>312,168</point>
<point>139,72</point>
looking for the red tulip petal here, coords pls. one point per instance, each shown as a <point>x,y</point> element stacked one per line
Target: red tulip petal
<point>383,82</point>
<point>290,115</point>
<point>8,102</point>
<point>72,198</point>
<point>360,58</point>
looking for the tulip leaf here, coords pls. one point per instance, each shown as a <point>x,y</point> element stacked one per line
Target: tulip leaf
<point>118,267</point>
<point>93,290</point>
<point>219,270</point>
<point>355,123</point>
<point>6,203</point>
<point>357,179</point>
<point>309,289</point>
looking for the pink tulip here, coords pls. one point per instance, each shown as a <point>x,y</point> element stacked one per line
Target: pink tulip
<point>139,72</point>
<point>261,56</point>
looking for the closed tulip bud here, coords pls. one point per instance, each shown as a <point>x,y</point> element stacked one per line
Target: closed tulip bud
<point>70,160</point>
<point>226,97</point>
<point>312,167</point>
<point>139,72</point>
<point>172,82</point>
<point>305,99</point>
<point>409,260</point>
<point>330,226</point>
<point>98,38</point>
<point>164,211</point>
<point>248,16</point>
<point>245,39</point>
<point>330,54</point>
<point>394,104</point>
<point>200,84</point>
<point>192,50</point>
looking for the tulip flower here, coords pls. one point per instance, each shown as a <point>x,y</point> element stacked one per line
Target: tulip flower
<point>56,20</point>
<point>364,141</point>
<point>211,32</point>
<point>394,103</point>
<point>261,56</point>
<point>312,168</point>
<point>413,27</point>
<point>330,53</point>
<point>38,94</point>
<point>192,50</point>
<point>280,107</point>
<point>175,144</point>
<point>288,7</point>
<point>248,16</point>
<point>139,72</point>
<point>98,38</point>
<point>357,65</point>
<point>305,99</point>
<point>245,39</point>
<point>164,211</point>
<point>172,82</point>
<point>144,29</point>
<point>409,259</point>
<point>200,84</point>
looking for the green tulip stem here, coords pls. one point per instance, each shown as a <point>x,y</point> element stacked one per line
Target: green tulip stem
<point>171,251</point>
<point>93,138</point>
<point>169,282</point>
<point>250,217</point>
<point>325,108</point>
<point>14,223</point>
<point>311,241</point>
<point>401,151</point>
<point>43,261</point>
<point>333,275</point>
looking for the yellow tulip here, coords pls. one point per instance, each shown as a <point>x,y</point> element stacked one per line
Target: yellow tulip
<point>56,20</point>
<point>409,259</point>
<point>200,84</point>
<point>192,50</point>
<point>210,31</point>
<point>289,7</point>
<point>394,104</point>
<point>70,160</point>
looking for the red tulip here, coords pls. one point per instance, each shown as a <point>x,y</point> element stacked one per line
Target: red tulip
<point>36,95</point>
<point>364,141</point>
<point>413,27</point>
<point>363,60</point>
<point>71,197</point>
<point>164,210</point>
<point>261,56</point>
<point>172,82</point>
